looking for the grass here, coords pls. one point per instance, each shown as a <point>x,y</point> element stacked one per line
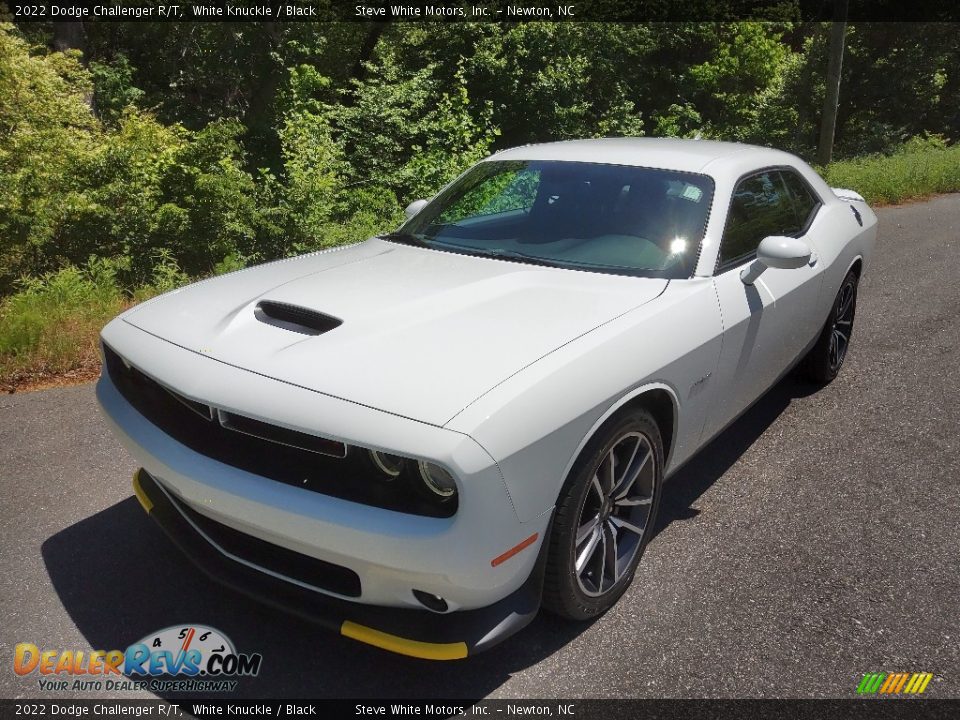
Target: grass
<point>920,168</point>
<point>49,327</point>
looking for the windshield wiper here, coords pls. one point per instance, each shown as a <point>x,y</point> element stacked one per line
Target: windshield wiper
<point>517,256</point>
<point>404,238</point>
<point>497,253</point>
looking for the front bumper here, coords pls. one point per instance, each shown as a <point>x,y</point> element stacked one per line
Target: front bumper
<point>387,558</point>
<point>417,633</point>
<point>391,552</point>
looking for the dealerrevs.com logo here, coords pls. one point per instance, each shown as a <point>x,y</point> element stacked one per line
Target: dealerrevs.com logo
<point>185,658</point>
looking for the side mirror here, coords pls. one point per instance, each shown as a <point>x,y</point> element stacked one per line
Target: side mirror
<point>777,251</point>
<point>413,208</point>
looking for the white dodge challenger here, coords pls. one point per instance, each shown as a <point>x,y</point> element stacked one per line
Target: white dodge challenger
<point>422,438</point>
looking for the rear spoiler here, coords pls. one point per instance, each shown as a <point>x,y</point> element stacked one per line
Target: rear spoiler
<point>844,194</point>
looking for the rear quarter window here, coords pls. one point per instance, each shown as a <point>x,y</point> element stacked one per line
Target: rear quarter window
<point>805,202</point>
<point>760,207</point>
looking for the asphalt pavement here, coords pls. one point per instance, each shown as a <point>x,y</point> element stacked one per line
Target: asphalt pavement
<point>815,540</point>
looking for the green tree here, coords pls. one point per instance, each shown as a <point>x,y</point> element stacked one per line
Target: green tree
<point>46,130</point>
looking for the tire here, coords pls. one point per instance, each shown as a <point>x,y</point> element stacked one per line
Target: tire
<point>580,583</point>
<point>825,359</point>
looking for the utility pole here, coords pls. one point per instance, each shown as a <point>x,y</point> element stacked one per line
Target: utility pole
<point>831,100</point>
<point>69,36</point>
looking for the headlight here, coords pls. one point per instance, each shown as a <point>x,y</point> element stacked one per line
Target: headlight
<point>399,482</point>
<point>437,480</point>
<point>389,465</point>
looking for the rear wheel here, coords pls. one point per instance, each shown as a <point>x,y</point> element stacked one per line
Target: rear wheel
<point>604,518</point>
<point>826,357</point>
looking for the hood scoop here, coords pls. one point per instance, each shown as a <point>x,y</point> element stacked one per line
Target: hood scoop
<point>294,318</point>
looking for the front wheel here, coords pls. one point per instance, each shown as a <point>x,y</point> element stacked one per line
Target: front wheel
<point>604,518</point>
<point>826,357</point>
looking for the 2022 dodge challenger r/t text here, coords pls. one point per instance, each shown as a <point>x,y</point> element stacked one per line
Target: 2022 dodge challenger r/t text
<point>421,438</point>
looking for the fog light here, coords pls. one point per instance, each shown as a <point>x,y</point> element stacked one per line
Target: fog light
<point>431,602</point>
<point>437,480</point>
<point>389,465</point>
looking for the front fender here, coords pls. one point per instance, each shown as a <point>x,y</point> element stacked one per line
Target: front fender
<point>536,423</point>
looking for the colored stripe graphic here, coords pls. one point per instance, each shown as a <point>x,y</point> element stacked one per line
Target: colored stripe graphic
<point>923,679</point>
<point>889,683</point>
<point>894,683</point>
<point>901,682</point>
<point>871,683</point>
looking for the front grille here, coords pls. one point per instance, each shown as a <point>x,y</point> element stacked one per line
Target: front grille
<point>231,421</point>
<point>204,411</point>
<point>241,445</point>
<point>281,435</point>
<point>265,555</point>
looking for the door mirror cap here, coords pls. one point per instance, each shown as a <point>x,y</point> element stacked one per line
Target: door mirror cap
<point>413,208</point>
<point>777,251</point>
<point>785,253</point>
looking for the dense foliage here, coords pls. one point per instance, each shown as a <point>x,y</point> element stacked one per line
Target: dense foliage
<point>214,145</point>
<point>149,153</point>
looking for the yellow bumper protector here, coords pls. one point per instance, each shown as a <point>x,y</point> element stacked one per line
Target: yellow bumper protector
<point>403,646</point>
<point>141,495</point>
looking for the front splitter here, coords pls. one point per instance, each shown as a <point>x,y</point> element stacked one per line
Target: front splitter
<point>407,631</point>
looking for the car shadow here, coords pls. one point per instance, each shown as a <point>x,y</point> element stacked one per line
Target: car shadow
<point>120,579</point>
<point>693,479</point>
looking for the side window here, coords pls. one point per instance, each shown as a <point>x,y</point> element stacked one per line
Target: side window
<point>805,203</point>
<point>760,207</point>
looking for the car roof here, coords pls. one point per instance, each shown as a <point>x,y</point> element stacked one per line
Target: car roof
<point>666,153</point>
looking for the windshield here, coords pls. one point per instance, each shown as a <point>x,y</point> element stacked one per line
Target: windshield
<point>584,216</point>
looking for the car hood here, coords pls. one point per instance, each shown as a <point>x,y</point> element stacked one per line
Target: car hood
<point>423,332</point>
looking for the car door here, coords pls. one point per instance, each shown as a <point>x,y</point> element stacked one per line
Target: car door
<point>768,324</point>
